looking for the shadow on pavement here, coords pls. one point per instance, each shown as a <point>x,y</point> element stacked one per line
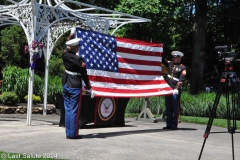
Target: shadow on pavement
<point>114,134</point>
<point>9,120</point>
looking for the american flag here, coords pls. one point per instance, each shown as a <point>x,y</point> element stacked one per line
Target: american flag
<point>120,67</point>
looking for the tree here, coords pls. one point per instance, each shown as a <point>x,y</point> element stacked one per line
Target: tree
<point>108,4</point>
<point>169,23</point>
<point>199,32</point>
<point>220,29</point>
<point>13,40</point>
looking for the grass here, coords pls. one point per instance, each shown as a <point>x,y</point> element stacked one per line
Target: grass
<point>203,120</point>
<point>197,120</point>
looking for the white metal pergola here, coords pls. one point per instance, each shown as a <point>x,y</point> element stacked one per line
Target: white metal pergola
<point>47,20</point>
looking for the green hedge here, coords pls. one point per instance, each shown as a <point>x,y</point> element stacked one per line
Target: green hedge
<point>191,105</point>
<point>156,105</point>
<point>16,80</point>
<point>201,105</point>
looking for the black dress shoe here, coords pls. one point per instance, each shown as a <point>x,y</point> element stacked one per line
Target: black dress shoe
<point>76,137</point>
<point>173,128</point>
<point>167,127</point>
<point>61,125</point>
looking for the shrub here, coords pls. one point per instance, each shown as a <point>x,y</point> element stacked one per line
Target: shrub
<point>35,99</point>
<point>16,79</point>
<point>56,66</point>
<point>134,105</point>
<point>54,87</point>
<point>156,105</point>
<point>191,105</point>
<point>9,98</point>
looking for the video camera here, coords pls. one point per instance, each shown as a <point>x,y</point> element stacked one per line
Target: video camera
<point>225,54</point>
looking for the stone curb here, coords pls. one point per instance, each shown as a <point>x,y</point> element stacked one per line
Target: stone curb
<point>22,109</point>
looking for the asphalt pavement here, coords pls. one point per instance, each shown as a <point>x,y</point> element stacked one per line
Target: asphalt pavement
<point>138,140</point>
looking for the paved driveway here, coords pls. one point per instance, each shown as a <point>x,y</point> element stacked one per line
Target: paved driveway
<point>137,140</point>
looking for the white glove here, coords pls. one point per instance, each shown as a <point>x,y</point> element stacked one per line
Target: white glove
<point>83,86</point>
<point>92,93</point>
<point>175,91</point>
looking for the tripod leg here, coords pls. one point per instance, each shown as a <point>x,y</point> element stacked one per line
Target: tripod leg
<point>233,148</point>
<point>231,112</point>
<point>232,126</point>
<point>211,118</point>
<point>200,155</point>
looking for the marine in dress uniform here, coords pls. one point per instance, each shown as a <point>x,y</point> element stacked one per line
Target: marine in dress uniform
<point>75,72</point>
<point>175,78</point>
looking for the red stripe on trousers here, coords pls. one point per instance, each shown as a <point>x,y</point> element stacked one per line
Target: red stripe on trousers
<point>178,110</point>
<point>78,112</point>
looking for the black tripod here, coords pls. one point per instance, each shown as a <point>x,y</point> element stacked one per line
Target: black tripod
<point>228,82</point>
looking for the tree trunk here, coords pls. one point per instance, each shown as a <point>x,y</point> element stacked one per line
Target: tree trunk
<point>199,29</point>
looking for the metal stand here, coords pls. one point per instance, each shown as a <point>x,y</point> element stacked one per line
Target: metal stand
<point>146,114</point>
<point>229,82</point>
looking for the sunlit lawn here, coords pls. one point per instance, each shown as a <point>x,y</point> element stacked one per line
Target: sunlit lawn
<point>196,120</point>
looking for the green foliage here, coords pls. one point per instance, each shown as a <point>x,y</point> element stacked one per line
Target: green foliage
<point>56,67</point>
<point>134,105</point>
<point>54,86</point>
<point>9,98</point>
<point>169,23</point>
<point>140,7</point>
<point>16,80</point>
<point>201,105</point>
<point>201,120</point>
<point>156,105</point>
<point>196,105</point>
<point>191,105</point>
<point>13,40</point>
<point>35,99</point>
<point>109,4</point>
<point>38,85</point>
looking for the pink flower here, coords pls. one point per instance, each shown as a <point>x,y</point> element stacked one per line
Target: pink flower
<point>26,49</point>
<point>33,44</point>
<point>40,45</point>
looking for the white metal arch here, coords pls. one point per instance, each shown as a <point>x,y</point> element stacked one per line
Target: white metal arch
<point>40,21</point>
<point>59,28</point>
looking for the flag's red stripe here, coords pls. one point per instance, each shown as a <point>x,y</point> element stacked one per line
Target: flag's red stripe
<point>129,91</point>
<point>138,52</point>
<point>134,95</point>
<point>138,42</point>
<point>139,62</point>
<point>124,81</point>
<point>138,72</point>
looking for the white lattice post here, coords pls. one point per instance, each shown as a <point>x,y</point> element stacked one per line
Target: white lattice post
<point>47,57</point>
<point>31,68</point>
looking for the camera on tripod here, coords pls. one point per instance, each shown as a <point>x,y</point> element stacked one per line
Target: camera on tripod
<point>224,53</point>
